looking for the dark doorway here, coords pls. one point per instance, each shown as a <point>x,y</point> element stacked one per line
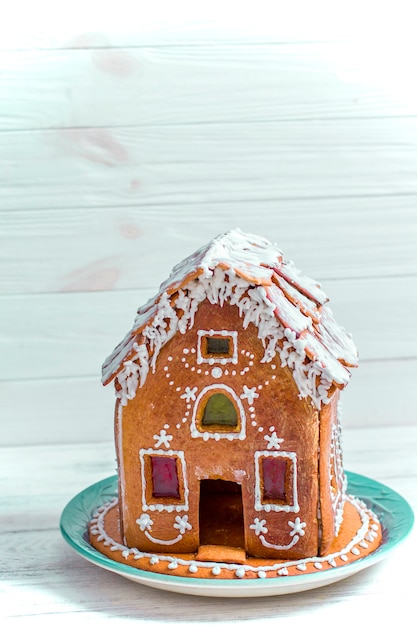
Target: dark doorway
<point>221,514</point>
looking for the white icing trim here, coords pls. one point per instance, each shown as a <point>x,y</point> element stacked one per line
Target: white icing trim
<point>219,286</point>
<point>267,544</point>
<point>261,506</point>
<point>273,441</point>
<point>249,394</point>
<point>161,506</point>
<point>259,526</point>
<point>217,372</point>
<point>364,532</point>
<point>163,439</point>
<point>181,523</point>
<point>120,455</point>
<point>189,394</point>
<point>232,334</point>
<point>336,464</point>
<point>209,434</point>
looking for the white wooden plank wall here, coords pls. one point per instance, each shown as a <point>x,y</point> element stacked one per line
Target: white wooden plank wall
<point>125,144</point>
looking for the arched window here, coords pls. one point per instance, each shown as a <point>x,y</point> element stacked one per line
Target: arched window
<point>218,413</point>
<point>219,410</point>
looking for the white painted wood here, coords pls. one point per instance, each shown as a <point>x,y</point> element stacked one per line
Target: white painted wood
<point>52,411</point>
<point>381,393</point>
<point>89,24</point>
<point>128,140</point>
<point>43,581</point>
<point>148,166</point>
<point>79,409</point>
<point>100,87</point>
<point>54,336</point>
<point>124,248</point>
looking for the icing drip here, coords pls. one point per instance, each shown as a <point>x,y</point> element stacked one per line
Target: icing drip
<point>249,272</point>
<point>254,307</point>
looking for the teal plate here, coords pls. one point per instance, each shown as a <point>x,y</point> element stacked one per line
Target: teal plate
<point>394,513</point>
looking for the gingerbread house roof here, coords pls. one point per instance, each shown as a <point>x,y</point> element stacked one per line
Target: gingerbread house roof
<point>289,309</point>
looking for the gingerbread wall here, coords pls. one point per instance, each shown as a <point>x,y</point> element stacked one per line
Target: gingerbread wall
<point>332,477</point>
<point>162,421</point>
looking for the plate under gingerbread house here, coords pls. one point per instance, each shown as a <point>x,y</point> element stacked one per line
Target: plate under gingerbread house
<point>393,512</point>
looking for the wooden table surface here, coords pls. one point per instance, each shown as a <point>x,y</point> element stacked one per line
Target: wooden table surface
<point>43,581</point>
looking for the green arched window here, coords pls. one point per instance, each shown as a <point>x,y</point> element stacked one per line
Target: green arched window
<point>219,411</point>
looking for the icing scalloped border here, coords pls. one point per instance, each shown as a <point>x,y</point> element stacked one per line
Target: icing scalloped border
<point>366,534</point>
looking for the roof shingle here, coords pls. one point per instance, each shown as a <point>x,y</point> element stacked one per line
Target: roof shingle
<point>251,272</point>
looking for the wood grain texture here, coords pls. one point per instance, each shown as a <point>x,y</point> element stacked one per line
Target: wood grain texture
<point>101,87</point>
<point>43,580</point>
<point>190,23</point>
<point>127,143</point>
<point>54,250</point>
<point>148,166</point>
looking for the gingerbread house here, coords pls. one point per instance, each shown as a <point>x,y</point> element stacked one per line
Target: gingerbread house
<point>227,421</point>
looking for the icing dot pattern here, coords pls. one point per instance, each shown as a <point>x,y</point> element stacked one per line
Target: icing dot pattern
<point>287,307</point>
<point>188,361</point>
<point>369,526</point>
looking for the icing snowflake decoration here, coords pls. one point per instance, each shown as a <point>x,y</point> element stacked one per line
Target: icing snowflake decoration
<point>145,522</point>
<point>259,526</point>
<point>297,527</point>
<point>189,394</point>
<point>289,310</point>
<point>182,524</point>
<point>162,439</point>
<point>274,442</point>
<point>249,394</point>
<point>367,533</point>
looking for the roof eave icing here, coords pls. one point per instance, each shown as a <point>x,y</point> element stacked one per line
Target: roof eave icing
<point>247,271</point>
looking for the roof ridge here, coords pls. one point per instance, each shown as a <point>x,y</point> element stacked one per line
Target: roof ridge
<point>250,272</point>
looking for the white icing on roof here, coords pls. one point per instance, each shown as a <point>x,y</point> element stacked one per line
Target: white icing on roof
<point>288,308</point>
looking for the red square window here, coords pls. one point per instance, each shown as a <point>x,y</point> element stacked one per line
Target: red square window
<point>165,477</point>
<point>274,470</point>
